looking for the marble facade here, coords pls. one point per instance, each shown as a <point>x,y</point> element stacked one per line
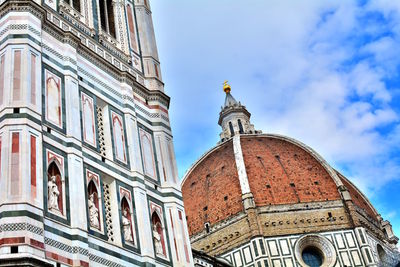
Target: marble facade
<point>87,165</point>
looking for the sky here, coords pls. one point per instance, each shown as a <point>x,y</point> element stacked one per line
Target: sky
<point>323,72</point>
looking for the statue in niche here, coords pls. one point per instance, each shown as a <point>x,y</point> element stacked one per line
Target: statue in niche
<point>157,241</point>
<point>93,212</point>
<point>53,194</point>
<point>126,227</point>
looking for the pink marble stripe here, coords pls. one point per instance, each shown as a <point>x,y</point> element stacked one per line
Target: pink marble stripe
<point>2,66</point>
<point>15,164</point>
<point>33,79</point>
<point>17,76</point>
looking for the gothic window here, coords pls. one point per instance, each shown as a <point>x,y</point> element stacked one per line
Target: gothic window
<point>89,132</point>
<point>107,19</point>
<point>127,222</point>
<point>146,141</point>
<point>54,189</point>
<point>119,137</point>
<point>158,235</point>
<point>240,126</point>
<point>76,4</point>
<point>53,99</point>
<point>94,203</point>
<point>231,129</point>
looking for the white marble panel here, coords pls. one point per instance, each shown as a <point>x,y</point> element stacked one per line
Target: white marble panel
<point>238,258</point>
<point>284,246</point>
<point>247,255</point>
<point>356,257</point>
<point>350,240</point>
<point>276,263</point>
<point>345,258</point>
<point>340,241</point>
<point>273,248</point>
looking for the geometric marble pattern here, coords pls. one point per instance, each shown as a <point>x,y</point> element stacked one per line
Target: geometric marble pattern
<point>10,227</point>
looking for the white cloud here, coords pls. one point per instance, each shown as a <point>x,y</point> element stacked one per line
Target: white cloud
<point>317,71</point>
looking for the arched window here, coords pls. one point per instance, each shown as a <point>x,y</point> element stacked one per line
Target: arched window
<point>231,129</point>
<point>93,206</point>
<point>240,126</point>
<point>127,222</point>
<point>76,4</point>
<point>158,235</point>
<point>107,20</point>
<point>54,189</point>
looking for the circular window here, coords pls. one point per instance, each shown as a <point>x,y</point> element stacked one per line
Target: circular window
<point>315,250</point>
<point>312,257</point>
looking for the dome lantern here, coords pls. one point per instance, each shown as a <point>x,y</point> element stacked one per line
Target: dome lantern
<point>234,117</point>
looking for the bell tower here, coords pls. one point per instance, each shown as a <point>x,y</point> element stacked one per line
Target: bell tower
<point>87,164</point>
<point>234,117</point>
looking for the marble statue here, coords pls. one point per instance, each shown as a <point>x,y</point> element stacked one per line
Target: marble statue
<point>157,241</point>
<point>93,212</point>
<point>126,227</point>
<point>53,194</point>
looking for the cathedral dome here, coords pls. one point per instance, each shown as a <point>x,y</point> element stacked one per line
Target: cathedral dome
<point>265,198</point>
<point>280,171</point>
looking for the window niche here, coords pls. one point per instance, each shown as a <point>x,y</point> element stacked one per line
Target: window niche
<point>127,221</point>
<point>107,18</point>
<point>231,129</point>
<point>55,185</point>
<point>75,4</point>
<point>158,230</point>
<point>94,201</point>
<point>240,126</point>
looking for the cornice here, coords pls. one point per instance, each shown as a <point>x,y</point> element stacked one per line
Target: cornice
<point>22,6</point>
<point>68,37</point>
<point>235,109</point>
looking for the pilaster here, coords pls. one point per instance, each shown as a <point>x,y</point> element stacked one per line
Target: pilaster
<point>143,220</point>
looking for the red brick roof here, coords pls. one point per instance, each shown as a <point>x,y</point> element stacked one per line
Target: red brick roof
<point>280,171</point>
<point>212,192</point>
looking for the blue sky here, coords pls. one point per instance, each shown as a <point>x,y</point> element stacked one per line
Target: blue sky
<point>323,72</point>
